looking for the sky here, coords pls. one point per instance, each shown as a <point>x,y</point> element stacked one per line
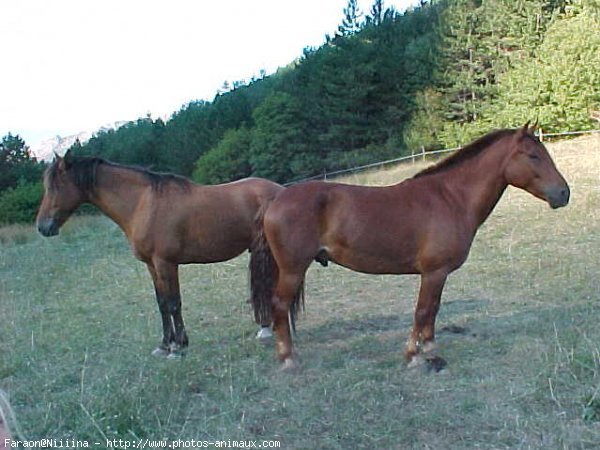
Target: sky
<point>75,65</point>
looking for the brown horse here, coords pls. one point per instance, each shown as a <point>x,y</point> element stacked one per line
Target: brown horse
<point>424,225</point>
<point>167,219</point>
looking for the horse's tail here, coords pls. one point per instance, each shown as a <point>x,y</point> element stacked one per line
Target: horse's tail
<point>263,276</point>
<point>263,272</point>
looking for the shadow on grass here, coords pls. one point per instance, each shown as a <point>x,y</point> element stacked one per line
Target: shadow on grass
<point>464,327</point>
<point>336,329</point>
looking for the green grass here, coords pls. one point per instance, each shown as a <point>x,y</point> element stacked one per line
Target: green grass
<point>79,321</point>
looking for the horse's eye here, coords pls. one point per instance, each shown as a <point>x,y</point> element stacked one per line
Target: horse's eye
<point>533,156</point>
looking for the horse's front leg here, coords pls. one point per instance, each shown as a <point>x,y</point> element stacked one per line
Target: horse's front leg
<point>166,283</point>
<point>428,304</point>
<point>167,322</point>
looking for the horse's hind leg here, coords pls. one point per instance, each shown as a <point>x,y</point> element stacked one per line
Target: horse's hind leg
<point>287,288</point>
<point>166,283</point>
<point>428,303</point>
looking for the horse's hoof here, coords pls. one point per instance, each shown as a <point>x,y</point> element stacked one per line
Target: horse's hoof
<point>264,334</point>
<point>290,365</point>
<point>415,361</point>
<point>428,363</point>
<point>410,355</point>
<point>428,347</point>
<point>176,351</point>
<point>160,352</point>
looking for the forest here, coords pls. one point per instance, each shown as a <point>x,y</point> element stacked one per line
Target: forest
<point>382,85</point>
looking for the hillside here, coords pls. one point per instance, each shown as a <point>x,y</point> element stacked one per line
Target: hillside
<point>383,86</point>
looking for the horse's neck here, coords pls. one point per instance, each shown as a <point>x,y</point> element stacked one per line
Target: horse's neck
<point>479,182</point>
<point>117,193</point>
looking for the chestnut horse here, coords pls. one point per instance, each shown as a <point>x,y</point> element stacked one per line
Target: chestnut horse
<point>167,219</point>
<point>424,225</point>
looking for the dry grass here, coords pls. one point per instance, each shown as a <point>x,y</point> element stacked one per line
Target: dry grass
<point>16,234</point>
<point>79,322</point>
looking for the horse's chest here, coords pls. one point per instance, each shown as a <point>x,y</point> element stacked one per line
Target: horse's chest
<point>141,252</point>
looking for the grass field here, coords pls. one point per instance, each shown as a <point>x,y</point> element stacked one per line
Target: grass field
<point>518,327</point>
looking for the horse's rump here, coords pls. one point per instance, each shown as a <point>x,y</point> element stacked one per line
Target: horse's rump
<point>263,276</point>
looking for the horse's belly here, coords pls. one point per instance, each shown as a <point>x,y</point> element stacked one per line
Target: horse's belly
<point>377,243</point>
<point>373,262</point>
<point>212,251</point>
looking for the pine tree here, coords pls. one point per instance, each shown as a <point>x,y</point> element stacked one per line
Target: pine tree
<point>280,149</point>
<point>17,164</point>
<point>351,22</point>
<point>377,13</point>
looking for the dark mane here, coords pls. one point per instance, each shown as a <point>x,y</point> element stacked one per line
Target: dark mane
<point>82,171</point>
<point>467,152</point>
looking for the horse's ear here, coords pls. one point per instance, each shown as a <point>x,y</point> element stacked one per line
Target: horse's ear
<point>524,130</point>
<point>60,162</point>
<point>64,163</point>
<point>68,159</point>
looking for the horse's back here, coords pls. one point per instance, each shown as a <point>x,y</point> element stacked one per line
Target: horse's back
<point>329,206</point>
<point>250,184</point>
<point>302,203</point>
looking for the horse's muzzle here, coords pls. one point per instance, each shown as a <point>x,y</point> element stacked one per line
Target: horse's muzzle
<point>48,227</point>
<point>558,197</point>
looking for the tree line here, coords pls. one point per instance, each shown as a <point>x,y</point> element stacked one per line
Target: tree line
<point>382,85</point>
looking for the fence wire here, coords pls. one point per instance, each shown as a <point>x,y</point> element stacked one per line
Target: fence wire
<point>415,156</point>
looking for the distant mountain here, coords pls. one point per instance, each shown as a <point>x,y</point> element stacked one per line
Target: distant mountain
<point>60,144</point>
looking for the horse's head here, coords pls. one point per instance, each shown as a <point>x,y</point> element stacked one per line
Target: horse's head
<point>530,167</point>
<point>61,196</point>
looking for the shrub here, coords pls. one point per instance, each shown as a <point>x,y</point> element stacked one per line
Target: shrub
<point>227,161</point>
<point>20,204</point>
